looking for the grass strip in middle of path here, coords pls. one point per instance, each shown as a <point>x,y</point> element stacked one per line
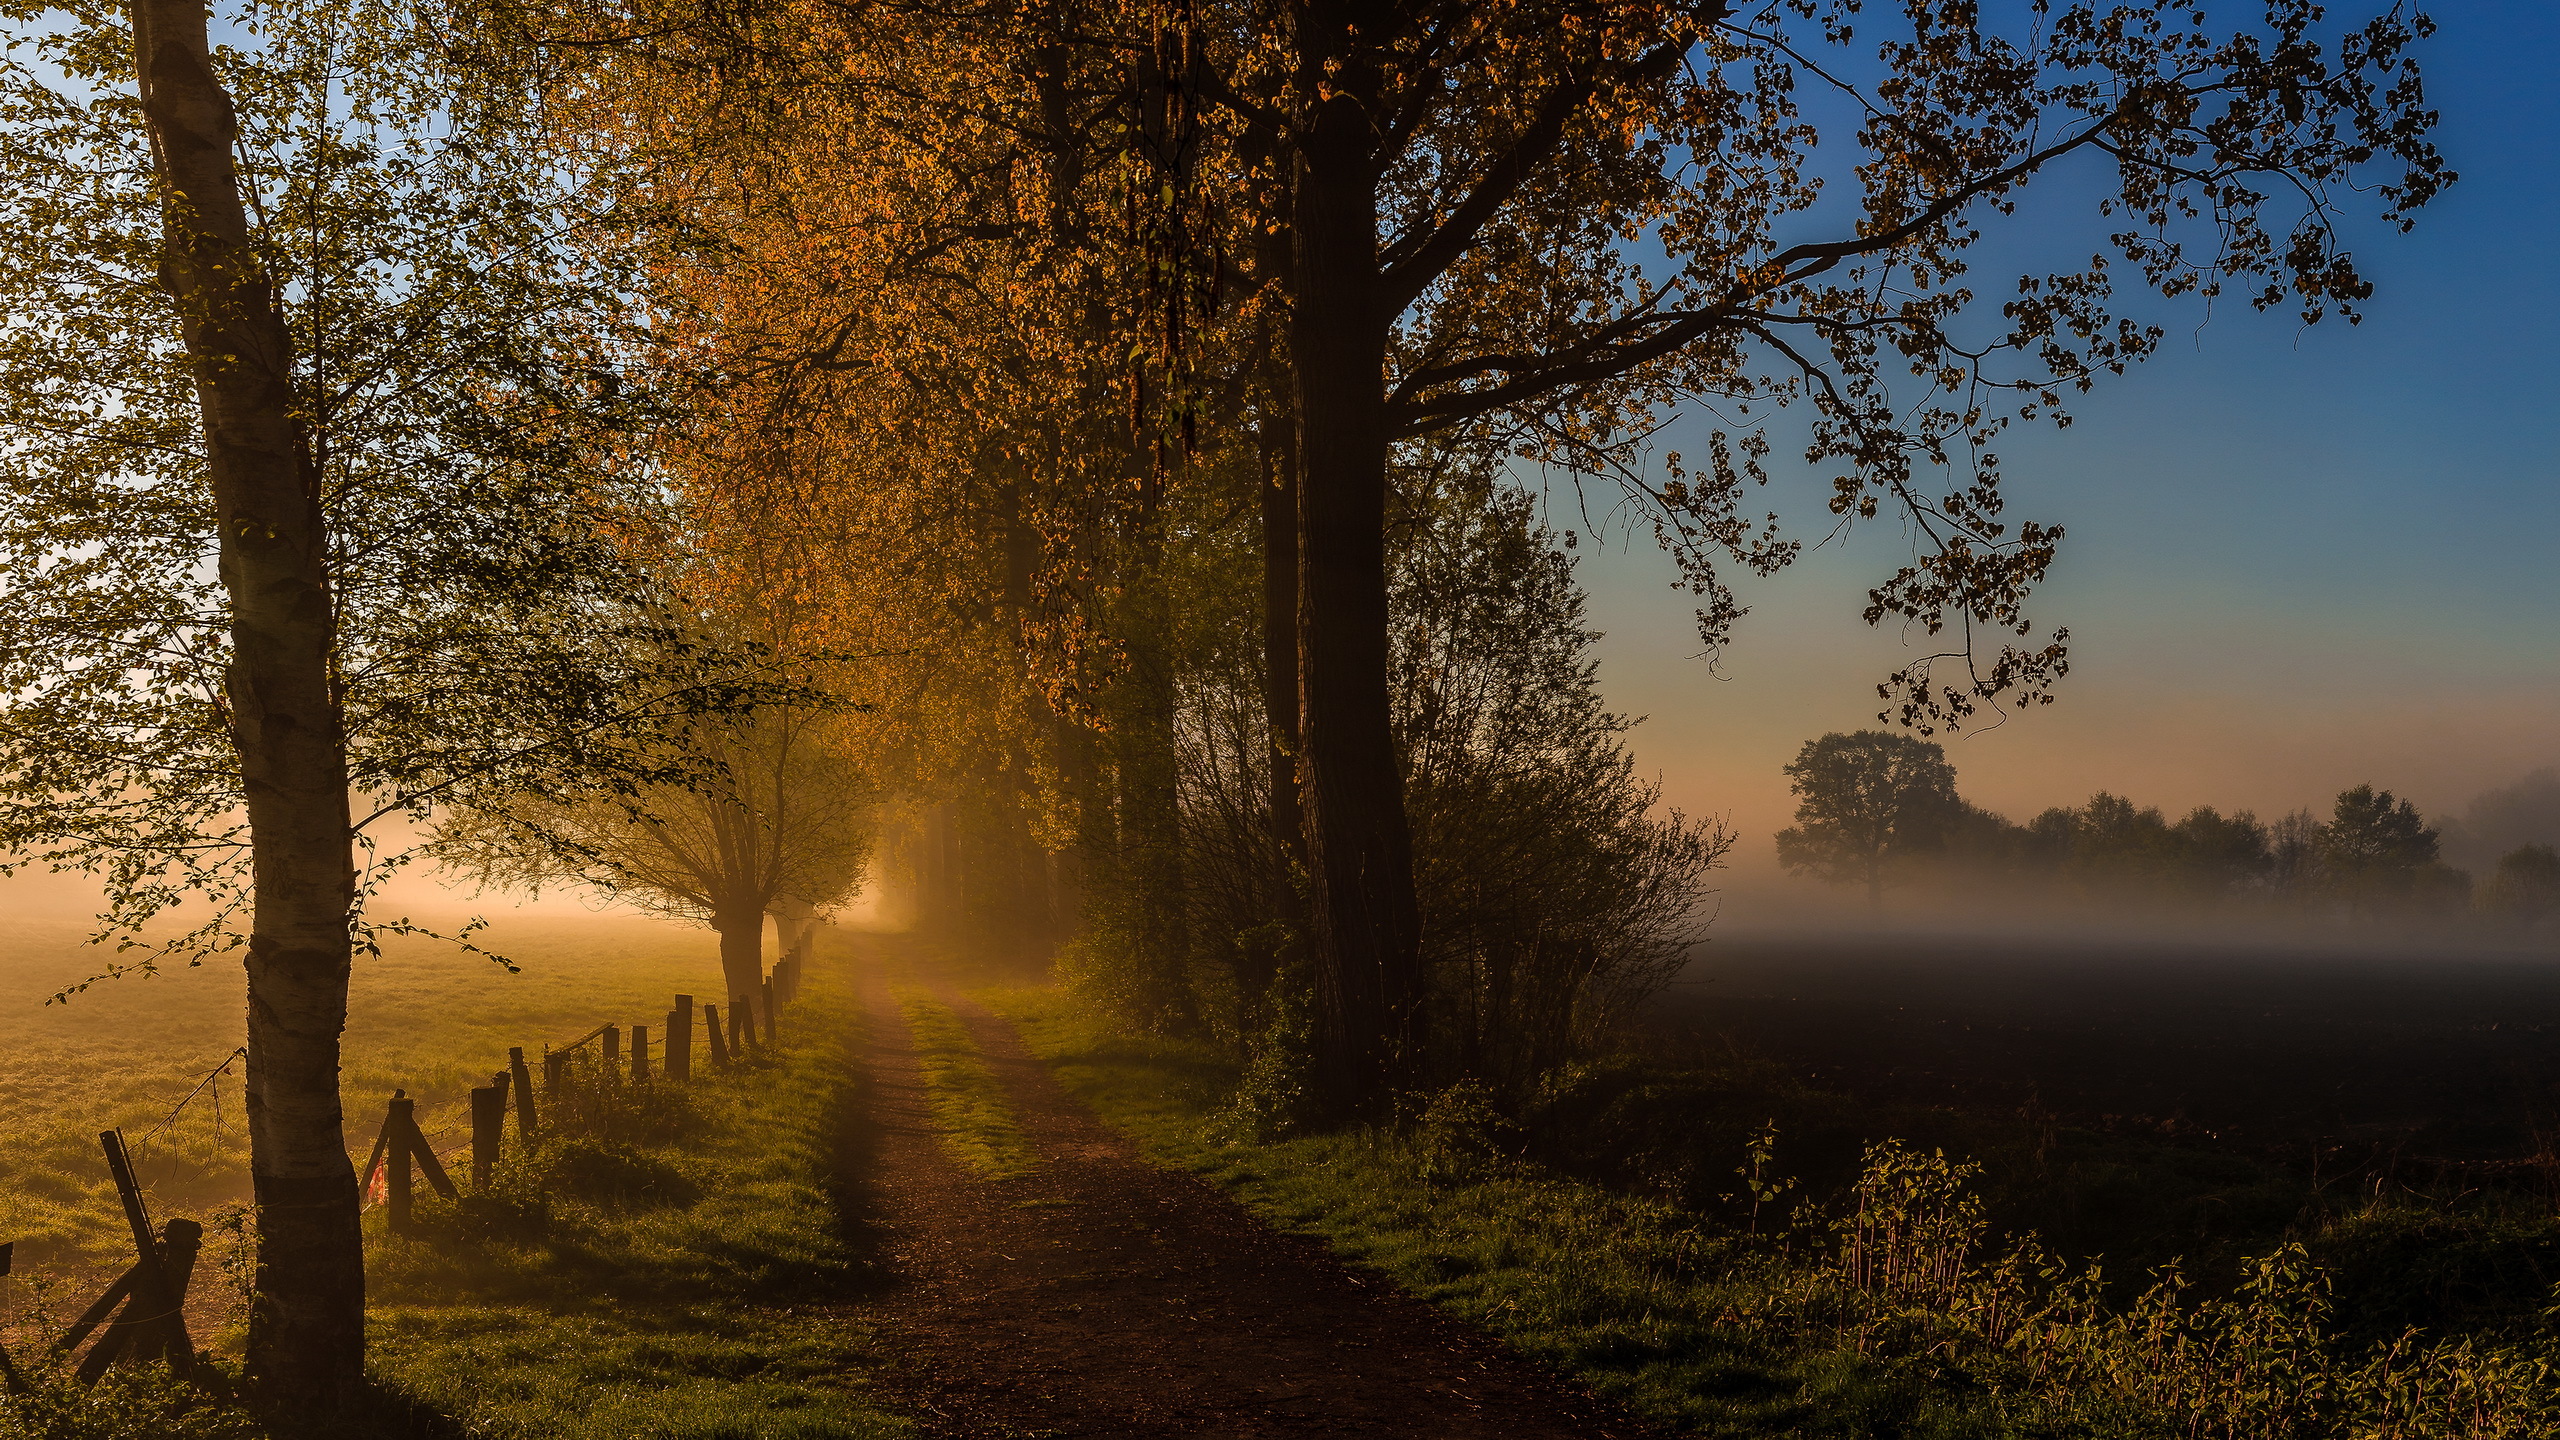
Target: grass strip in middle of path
<point>969,1105</point>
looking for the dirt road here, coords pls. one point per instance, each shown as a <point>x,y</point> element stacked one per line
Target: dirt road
<point>1103,1296</point>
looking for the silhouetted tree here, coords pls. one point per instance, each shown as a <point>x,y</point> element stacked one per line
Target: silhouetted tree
<point>1864,799</point>
<point>2376,845</point>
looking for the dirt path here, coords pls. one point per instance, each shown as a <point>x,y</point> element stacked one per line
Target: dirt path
<point>1104,1296</point>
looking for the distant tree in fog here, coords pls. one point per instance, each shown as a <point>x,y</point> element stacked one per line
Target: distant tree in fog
<point>2294,846</point>
<point>2219,854</point>
<point>1864,799</point>
<point>2498,822</point>
<point>2377,848</point>
<point>2525,886</point>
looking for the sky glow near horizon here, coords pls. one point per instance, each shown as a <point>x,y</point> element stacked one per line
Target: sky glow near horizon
<point>2297,559</point>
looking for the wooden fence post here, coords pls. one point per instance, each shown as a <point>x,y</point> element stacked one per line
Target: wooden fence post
<point>639,1052</point>
<point>719,1046</point>
<point>488,1127</point>
<point>771,1035</point>
<point>153,1315</point>
<point>680,1039</point>
<point>612,1053</point>
<point>396,1198</point>
<point>524,1093</point>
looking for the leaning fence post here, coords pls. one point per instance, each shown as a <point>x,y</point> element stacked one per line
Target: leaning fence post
<point>524,1093</point>
<point>488,1125</point>
<point>639,1052</point>
<point>151,1282</point>
<point>719,1046</point>
<point>400,1125</point>
<point>680,1039</point>
<point>771,1038</point>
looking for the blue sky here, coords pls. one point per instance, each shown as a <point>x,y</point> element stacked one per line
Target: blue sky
<point>2297,559</point>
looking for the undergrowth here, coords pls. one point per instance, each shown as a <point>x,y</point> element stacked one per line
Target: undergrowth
<point>1891,1308</point>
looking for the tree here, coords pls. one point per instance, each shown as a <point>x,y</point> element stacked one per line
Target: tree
<point>306,372</point>
<point>2526,885</point>
<point>2376,845</point>
<point>1865,799</point>
<point>770,819</point>
<point>1537,228</point>
<point>288,728</point>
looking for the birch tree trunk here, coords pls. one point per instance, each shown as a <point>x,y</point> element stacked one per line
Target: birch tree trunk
<point>306,1324</point>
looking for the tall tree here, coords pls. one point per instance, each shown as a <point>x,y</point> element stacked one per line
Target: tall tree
<point>1543,226</point>
<point>1864,800</point>
<point>1465,188</point>
<point>281,702</point>
<point>309,380</point>
<point>769,819</point>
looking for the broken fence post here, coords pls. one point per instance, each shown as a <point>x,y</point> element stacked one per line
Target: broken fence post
<point>151,1284</point>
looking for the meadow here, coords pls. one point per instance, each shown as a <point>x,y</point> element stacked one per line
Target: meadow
<point>424,1015</point>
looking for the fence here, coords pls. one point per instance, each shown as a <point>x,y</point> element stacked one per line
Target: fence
<point>144,1311</point>
<point>402,1154</point>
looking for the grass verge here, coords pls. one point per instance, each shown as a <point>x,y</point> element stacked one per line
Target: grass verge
<point>675,1275</point>
<point>969,1106</point>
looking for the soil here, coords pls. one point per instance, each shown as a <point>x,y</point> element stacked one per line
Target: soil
<point>1102,1295</point>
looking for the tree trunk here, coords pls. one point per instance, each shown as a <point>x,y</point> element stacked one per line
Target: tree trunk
<point>741,927</point>
<point>1280,657</point>
<point>1364,926</point>
<point>1258,964</point>
<point>306,1325</point>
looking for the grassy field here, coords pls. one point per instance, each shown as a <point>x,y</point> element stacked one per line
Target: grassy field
<point>423,1015</point>
<point>679,1272</point>
<point>676,1271</point>
<point>1885,1306</point>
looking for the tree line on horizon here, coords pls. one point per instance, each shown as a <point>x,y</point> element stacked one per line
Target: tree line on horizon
<point>1877,808</point>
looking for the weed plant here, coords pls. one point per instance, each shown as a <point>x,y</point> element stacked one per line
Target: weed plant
<point>1886,1310</point>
